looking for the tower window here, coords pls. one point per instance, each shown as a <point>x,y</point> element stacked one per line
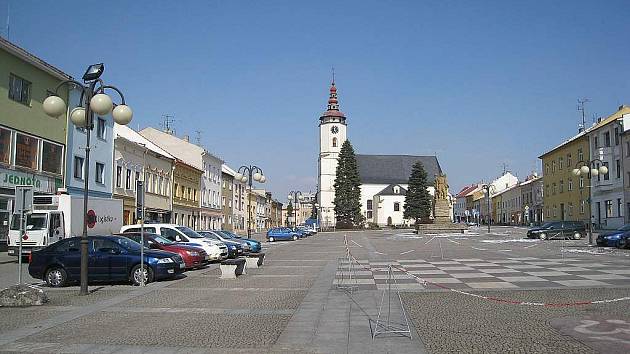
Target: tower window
<point>334,143</point>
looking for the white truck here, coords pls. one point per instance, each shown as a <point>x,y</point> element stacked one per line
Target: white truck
<point>61,216</point>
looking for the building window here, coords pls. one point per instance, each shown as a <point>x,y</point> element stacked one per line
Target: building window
<point>582,204</point>
<point>607,175</point>
<point>51,157</point>
<point>569,161</point>
<point>5,146</point>
<point>595,142</point>
<point>547,168</point>
<point>369,204</point>
<point>334,142</point>
<point>369,214</point>
<point>561,186</point>
<point>555,211</point>
<point>616,136</point>
<point>128,179</point>
<point>554,188</point>
<point>580,155</point>
<point>619,208</point>
<point>176,190</point>
<point>118,176</point>
<point>609,208</point>
<point>570,185</point>
<point>160,189</point>
<point>553,166</point>
<point>561,163</point>
<point>581,182</point>
<point>19,89</point>
<point>78,167</point>
<point>26,151</point>
<point>396,190</point>
<point>396,206</point>
<point>599,175</point>
<point>100,172</point>
<point>570,209</point>
<point>618,168</point>
<point>100,128</point>
<point>607,139</point>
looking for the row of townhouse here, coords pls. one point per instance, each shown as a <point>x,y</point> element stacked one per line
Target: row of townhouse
<point>510,202</point>
<point>603,199</point>
<point>184,183</point>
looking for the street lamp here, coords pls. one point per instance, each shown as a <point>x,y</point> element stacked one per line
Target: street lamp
<point>588,169</point>
<point>488,188</point>
<point>93,100</point>
<point>250,174</point>
<point>295,196</point>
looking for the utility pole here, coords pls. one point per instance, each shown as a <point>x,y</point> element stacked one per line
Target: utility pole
<point>167,123</point>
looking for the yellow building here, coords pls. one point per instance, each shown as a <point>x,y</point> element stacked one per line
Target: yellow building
<point>566,196</point>
<point>186,182</point>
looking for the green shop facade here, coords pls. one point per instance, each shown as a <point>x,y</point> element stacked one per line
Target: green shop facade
<point>32,144</point>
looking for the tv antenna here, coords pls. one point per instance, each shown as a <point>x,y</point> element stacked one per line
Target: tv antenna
<point>580,108</point>
<point>198,137</point>
<point>167,123</point>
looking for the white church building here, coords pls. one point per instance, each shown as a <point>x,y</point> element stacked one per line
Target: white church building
<point>383,177</point>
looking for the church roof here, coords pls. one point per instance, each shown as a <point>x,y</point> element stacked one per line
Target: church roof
<point>389,190</point>
<point>394,169</point>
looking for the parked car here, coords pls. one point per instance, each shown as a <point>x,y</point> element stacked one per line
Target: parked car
<point>194,257</point>
<point>616,238</point>
<point>558,229</point>
<point>111,258</point>
<point>306,231</point>
<point>281,233</point>
<point>182,234</point>
<point>254,246</point>
<point>235,249</point>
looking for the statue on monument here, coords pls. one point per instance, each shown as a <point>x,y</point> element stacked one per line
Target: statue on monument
<point>441,187</point>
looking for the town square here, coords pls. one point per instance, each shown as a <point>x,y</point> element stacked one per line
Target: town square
<point>314,177</point>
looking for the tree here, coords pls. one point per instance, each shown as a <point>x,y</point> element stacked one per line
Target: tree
<point>418,199</point>
<point>347,189</point>
<point>289,213</point>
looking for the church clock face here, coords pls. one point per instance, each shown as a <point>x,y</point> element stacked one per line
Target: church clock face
<point>334,129</point>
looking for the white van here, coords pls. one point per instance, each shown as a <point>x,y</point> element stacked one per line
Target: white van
<point>216,250</point>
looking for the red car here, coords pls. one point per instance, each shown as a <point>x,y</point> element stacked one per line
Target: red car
<point>193,257</point>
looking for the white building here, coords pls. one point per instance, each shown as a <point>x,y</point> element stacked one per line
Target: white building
<point>378,172</point>
<point>607,191</point>
<point>199,157</point>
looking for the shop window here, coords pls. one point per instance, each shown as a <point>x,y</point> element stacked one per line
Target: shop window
<point>51,157</point>
<point>5,146</point>
<point>26,151</point>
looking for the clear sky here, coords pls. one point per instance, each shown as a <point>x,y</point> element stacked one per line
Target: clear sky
<point>477,83</point>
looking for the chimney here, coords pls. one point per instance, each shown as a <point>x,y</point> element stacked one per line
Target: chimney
<point>186,138</point>
<point>622,107</point>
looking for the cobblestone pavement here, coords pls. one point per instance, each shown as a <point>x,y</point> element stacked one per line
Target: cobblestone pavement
<point>292,303</point>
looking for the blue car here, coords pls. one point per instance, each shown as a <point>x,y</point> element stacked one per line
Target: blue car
<point>281,233</point>
<point>110,258</point>
<point>254,246</point>
<point>617,238</point>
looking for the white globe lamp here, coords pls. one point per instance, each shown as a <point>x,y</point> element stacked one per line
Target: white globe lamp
<point>238,176</point>
<point>603,170</point>
<point>594,172</point>
<point>584,169</point>
<point>257,176</point>
<point>101,104</point>
<point>576,171</point>
<point>54,106</point>
<point>263,179</point>
<point>122,114</point>
<point>77,116</point>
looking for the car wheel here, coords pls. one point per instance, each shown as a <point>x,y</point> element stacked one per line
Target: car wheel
<point>621,243</point>
<point>577,236</point>
<point>295,238</point>
<point>543,236</point>
<point>271,239</point>
<point>56,277</point>
<point>137,274</point>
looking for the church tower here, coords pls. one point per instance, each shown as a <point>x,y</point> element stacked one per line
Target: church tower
<point>332,134</point>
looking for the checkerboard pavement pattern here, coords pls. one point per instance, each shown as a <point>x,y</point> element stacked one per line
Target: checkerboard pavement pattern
<point>473,273</point>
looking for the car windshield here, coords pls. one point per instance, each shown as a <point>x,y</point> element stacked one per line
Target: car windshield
<point>209,235</point>
<point>225,234</point>
<point>33,222</point>
<point>188,232</point>
<point>625,227</point>
<point>549,224</point>
<point>162,240</point>
<point>127,243</point>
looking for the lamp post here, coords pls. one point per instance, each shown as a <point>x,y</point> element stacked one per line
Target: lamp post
<point>93,100</point>
<point>295,196</point>
<point>588,169</point>
<point>250,174</point>
<point>488,188</point>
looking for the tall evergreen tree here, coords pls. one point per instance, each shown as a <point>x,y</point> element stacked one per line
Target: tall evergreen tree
<point>347,188</point>
<point>418,199</point>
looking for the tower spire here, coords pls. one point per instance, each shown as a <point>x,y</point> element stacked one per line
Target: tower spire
<point>333,75</point>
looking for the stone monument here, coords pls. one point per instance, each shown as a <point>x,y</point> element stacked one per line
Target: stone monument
<point>441,211</point>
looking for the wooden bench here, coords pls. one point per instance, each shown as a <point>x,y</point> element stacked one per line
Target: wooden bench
<point>231,268</point>
<point>254,260</point>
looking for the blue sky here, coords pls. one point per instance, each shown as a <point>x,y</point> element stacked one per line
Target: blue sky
<point>477,84</point>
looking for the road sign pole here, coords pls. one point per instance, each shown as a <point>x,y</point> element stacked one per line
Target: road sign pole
<point>24,203</point>
<point>140,214</point>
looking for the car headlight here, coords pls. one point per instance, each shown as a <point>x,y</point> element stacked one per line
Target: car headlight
<point>165,260</point>
<point>193,253</point>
